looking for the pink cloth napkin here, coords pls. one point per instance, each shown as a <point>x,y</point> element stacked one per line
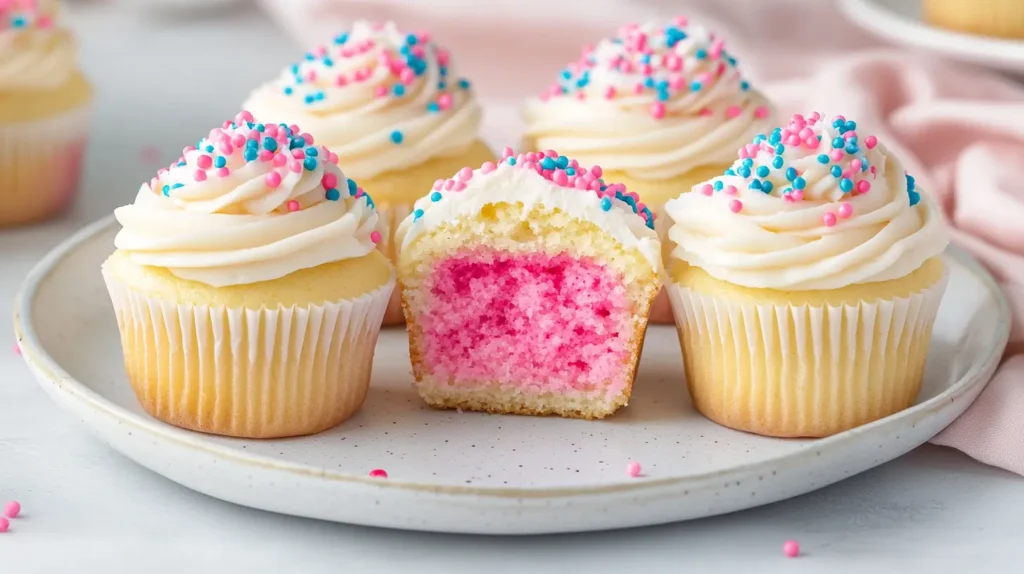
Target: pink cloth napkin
<point>960,130</point>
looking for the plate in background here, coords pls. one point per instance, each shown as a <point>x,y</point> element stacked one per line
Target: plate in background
<point>900,22</point>
<point>489,474</point>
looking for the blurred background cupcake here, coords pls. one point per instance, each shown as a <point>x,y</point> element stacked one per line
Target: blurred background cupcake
<point>247,286</point>
<point>660,106</point>
<point>1000,18</point>
<point>391,105</point>
<point>45,105</point>
<point>805,281</point>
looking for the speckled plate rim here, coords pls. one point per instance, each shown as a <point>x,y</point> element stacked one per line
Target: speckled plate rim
<point>50,372</point>
<point>888,23</point>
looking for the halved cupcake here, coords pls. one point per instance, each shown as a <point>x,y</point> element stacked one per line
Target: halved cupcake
<point>527,286</point>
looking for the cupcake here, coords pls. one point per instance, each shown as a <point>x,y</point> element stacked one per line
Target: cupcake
<point>393,108</point>
<point>660,106</point>
<point>526,288</point>
<point>247,286</point>
<point>805,281</point>
<point>998,18</point>
<point>45,105</point>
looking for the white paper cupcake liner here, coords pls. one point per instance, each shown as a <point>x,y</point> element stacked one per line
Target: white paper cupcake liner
<point>801,370</point>
<point>41,164</point>
<point>251,373</point>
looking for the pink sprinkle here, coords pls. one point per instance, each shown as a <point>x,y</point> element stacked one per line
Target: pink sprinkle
<point>329,181</point>
<point>870,142</point>
<point>225,147</point>
<point>829,219</point>
<point>735,206</point>
<point>360,192</point>
<point>341,80</point>
<point>244,116</point>
<point>681,21</point>
<point>863,186</point>
<point>308,137</point>
<point>706,189</point>
<point>298,153</point>
<point>293,205</point>
<point>199,175</point>
<point>381,91</point>
<point>507,152</point>
<point>223,172</point>
<point>845,210</point>
<point>406,76</point>
<point>271,130</point>
<point>580,183</point>
<point>733,111</point>
<point>459,186</point>
<point>730,190</point>
<point>797,195</point>
<point>295,166</point>
<point>238,140</point>
<point>44,22</point>
<point>266,155</point>
<point>4,525</point>
<point>17,349</point>
<point>673,62</point>
<point>311,76</point>
<point>837,154</point>
<point>609,93</point>
<point>559,178</point>
<point>812,142</point>
<point>273,179</point>
<point>375,237</point>
<point>633,468</point>
<point>791,548</point>
<point>705,112</point>
<point>280,160</point>
<point>488,167</point>
<point>551,153</point>
<point>761,112</point>
<point>443,57</point>
<point>465,174</point>
<point>597,171</point>
<point>658,110</point>
<point>378,473</point>
<point>444,101</point>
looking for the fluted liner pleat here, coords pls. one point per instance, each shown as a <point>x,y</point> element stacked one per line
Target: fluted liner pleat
<point>41,165</point>
<point>799,370</point>
<point>393,215</point>
<point>255,373</point>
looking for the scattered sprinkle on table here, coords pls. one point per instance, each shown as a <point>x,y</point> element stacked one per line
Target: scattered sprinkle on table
<point>11,509</point>
<point>633,468</point>
<point>378,473</point>
<point>791,548</point>
<point>4,525</point>
<point>17,349</point>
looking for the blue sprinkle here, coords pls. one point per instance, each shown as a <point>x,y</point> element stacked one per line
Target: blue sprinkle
<point>744,171</point>
<point>915,197</point>
<point>767,187</point>
<point>775,137</point>
<point>566,75</point>
<point>369,200</point>
<point>547,163</point>
<point>799,183</point>
<point>436,196</point>
<point>628,200</point>
<point>296,143</point>
<point>398,90</point>
<point>662,96</point>
<point>209,149</point>
<point>417,214</point>
<point>763,171</point>
<point>851,125</point>
<point>911,183</point>
<point>310,57</point>
<point>309,163</point>
<point>562,162</point>
<point>310,98</point>
<point>252,144</point>
<point>701,53</point>
<point>443,70</point>
<point>649,82</point>
<point>718,185</point>
<point>295,68</point>
<point>570,171</point>
<point>852,149</point>
<point>443,85</point>
<point>759,138</point>
<point>748,162</point>
<point>221,161</point>
<point>838,143</point>
<point>837,123</point>
<point>18,22</point>
<point>312,152</point>
<point>397,137</point>
<point>606,204</point>
<point>755,184</point>
<point>270,144</point>
<point>167,191</point>
<point>836,171</point>
<point>777,162</point>
<point>779,149</point>
<point>731,60</point>
<point>791,174</point>
<point>333,194</point>
<point>353,187</point>
<point>846,185</point>
<point>411,39</point>
<point>341,39</point>
<point>511,161</point>
<point>695,87</point>
<point>433,108</point>
<point>730,171</point>
<point>181,164</point>
<point>288,90</point>
<point>261,128</point>
<point>464,84</point>
<point>328,62</point>
<point>177,186</point>
<point>251,154</point>
<point>645,59</point>
<point>823,159</point>
<point>744,85</point>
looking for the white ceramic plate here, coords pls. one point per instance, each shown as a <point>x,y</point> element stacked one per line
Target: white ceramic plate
<point>475,473</point>
<point>899,21</point>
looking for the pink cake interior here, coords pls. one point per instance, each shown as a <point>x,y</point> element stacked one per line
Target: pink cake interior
<point>551,323</point>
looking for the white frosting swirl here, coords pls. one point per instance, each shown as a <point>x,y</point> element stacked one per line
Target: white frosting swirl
<point>525,182</point>
<point>34,56</point>
<point>656,101</point>
<point>381,99</point>
<point>814,206</point>
<point>250,220</point>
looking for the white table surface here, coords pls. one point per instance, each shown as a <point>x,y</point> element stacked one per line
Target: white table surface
<point>163,83</point>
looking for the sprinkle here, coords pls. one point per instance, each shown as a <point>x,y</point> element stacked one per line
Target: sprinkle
<point>11,509</point>
<point>863,186</point>
<point>379,472</point>
<point>273,179</point>
<point>633,469</point>
<point>845,210</point>
<point>333,194</point>
<point>465,174</point>
<point>4,525</point>
<point>760,112</point>
<point>330,180</point>
<point>829,219</point>
<point>706,189</point>
<point>375,237</point>
<point>488,167</point>
<point>791,548</point>
<point>735,206</point>
<point>309,163</point>
<point>846,185</point>
<point>397,137</point>
<point>436,196</point>
<point>417,214</point>
<point>870,142</point>
<point>293,205</point>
